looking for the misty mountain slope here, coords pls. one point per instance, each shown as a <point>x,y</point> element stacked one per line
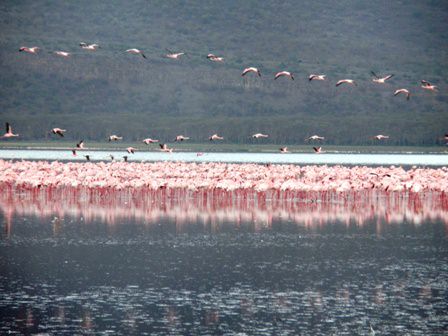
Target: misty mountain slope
<point>94,93</point>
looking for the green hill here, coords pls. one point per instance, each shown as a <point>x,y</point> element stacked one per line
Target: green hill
<point>93,94</point>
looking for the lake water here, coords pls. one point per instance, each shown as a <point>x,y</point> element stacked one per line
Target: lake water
<point>407,159</point>
<point>205,264</point>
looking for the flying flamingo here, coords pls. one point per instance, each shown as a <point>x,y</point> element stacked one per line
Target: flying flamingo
<point>251,69</point>
<point>428,86</point>
<point>74,152</point>
<point>259,135</point>
<point>125,158</point>
<point>315,137</point>
<point>9,133</point>
<point>62,53</point>
<point>317,150</point>
<point>87,157</point>
<point>215,137</point>
<point>86,46</point>
<point>114,137</point>
<point>174,55</point>
<point>149,141</point>
<point>215,58</point>
<point>380,80</point>
<point>283,150</point>
<point>135,51</point>
<point>32,50</point>
<point>131,150</point>
<point>80,144</point>
<point>316,77</point>
<point>181,138</point>
<point>403,91</point>
<point>346,81</point>
<point>381,137</point>
<point>284,74</point>
<point>58,131</point>
<point>164,148</point>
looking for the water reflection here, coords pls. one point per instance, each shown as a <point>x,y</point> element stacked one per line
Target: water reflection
<point>217,211</point>
<point>215,263</point>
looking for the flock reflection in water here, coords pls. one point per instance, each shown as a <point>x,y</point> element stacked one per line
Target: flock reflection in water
<point>214,210</point>
<point>62,274</point>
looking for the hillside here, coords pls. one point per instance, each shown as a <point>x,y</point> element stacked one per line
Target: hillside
<point>93,94</point>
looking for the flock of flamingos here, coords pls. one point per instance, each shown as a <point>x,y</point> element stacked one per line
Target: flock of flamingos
<point>219,176</point>
<point>214,58</point>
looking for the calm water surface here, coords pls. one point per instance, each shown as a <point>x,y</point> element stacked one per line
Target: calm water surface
<point>173,263</point>
<point>292,158</point>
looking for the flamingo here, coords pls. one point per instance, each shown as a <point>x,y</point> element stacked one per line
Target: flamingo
<point>112,158</point>
<point>317,150</point>
<point>215,137</point>
<point>149,141</point>
<point>284,74</point>
<point>251,69</point>
<point>32,50</point>
<point>346,81</point>
<point>80,144</point>
<point>62,53</point>
<point>181,138</point>
<point>259,135</point>
<point>164,148</point>
<point>381,137</point>
<point>58,131</point>
<point>131,150</point>
<point>173,55</point>
<point>87,157</point>
<point>403,91</point>
<point>380,80</point>
<point>86,46</point>
<point>315,137</point>
<point>428,86</point>
<point>316,77</point>
<point>135,51</point>
<point>283,150</point>
<point>74,152</point>
<point>9,133</point>
<point>125,158</point>
<point>114,137</point>
<point>215,58</point>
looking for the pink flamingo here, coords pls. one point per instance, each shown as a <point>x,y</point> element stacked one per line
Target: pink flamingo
<point>403,91</point>
<point>181,138</point>
<point>32,50</point>
<point>215,137</point>
<point>316,77</point>
<point>251,69</point>
<point>381,80</point>
<point>62,53</point>
<point>346,81</point>
<point>136,52</point>
<point>259,135</point>
<point>164,148</point>
<point>58,131</point>
<point>9,133</point>
<point>91,47</point>
<point>149,141</point>
<point>215,58</point>
<point>114,137</point>
<point>283,74</point>
<point>428,86</point>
